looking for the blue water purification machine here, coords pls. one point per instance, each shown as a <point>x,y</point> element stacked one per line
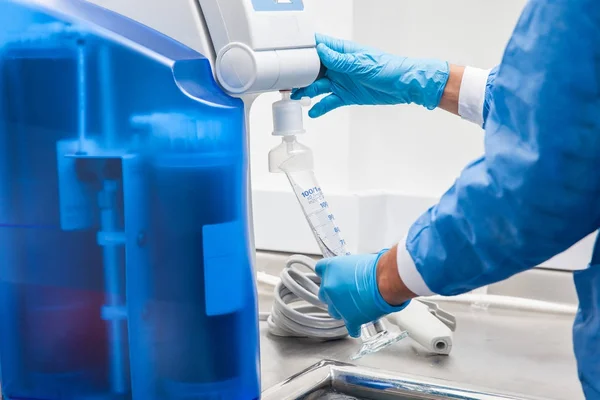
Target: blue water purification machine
<point>125,266</point>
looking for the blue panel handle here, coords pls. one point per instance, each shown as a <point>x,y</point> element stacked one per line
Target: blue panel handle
<point>225,265</point>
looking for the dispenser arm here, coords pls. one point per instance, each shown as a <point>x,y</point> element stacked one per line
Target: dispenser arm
<point>258,45</point>
<point>261,45</point>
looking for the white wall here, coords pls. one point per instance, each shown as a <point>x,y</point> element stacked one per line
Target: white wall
<point>424,151</point>
<point>383,166</point>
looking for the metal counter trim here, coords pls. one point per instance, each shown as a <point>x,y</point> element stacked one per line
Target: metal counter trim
<point>347,377</point>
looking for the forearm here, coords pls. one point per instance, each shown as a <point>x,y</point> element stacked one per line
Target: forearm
<point>391,286</point>
<point>449,101</point>
<point>468,93</point>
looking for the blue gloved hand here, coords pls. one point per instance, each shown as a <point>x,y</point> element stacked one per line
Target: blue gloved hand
<point>349,288</point>
<point>358,75</point>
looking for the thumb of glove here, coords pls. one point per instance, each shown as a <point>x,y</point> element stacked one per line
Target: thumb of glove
<point>337,62</point>
<point>354,331</point>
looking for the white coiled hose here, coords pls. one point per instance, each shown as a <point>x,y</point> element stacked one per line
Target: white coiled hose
<point>297,310</point>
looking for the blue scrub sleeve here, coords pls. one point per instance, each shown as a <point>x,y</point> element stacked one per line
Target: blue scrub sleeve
<point>536,190</point>
<point>489,90</point>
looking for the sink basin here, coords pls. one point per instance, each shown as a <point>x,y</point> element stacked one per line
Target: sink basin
<point>330,380</point>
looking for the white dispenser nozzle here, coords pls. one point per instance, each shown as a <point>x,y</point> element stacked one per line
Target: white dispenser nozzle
<point>287,115</point>
<point>289,156</point>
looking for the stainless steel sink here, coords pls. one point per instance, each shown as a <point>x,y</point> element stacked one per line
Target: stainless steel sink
<point>330,380</point>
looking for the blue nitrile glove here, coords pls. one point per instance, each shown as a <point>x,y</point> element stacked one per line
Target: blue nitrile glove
<point>349,288</point>
<point>358,75</point>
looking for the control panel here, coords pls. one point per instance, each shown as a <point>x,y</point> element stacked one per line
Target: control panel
<point>278,5</point>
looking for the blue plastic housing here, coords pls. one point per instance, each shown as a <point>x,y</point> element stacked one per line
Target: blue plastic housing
<point>125,266</point>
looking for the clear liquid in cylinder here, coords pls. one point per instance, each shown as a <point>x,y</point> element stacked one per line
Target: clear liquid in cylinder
<point>318,213</point>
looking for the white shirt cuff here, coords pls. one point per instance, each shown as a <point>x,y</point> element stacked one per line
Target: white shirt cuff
<point>472,94</point>
<point>409,273</point>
